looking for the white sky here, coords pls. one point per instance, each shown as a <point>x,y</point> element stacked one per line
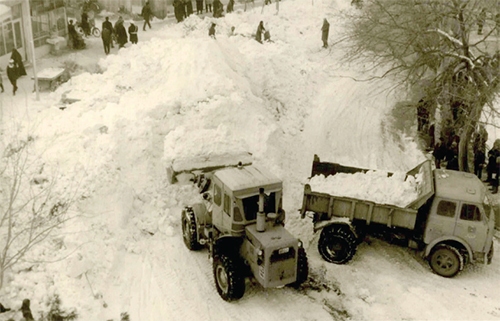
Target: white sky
<point>179,93</point>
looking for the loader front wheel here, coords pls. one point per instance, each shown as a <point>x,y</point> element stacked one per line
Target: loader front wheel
<point>302,268</point>
<point>189,231</point>
<point>446,260</point>
<point>337,244</point>
<point>229,280</point>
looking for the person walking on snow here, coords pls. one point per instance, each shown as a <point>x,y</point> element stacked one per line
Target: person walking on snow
<point>132,31</point>
<point>18,62</point>
<point>325,29</point>
<point>13,75</point>
<point>208,5</point>
<point>108,25</point>
<point>230,6</point>
<point>121,33</point>
<point>146,14</point>
<point>211,31</point>
<point>260,30</point>
<point>199,6</point>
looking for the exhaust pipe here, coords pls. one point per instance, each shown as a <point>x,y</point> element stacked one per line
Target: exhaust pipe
<point>261,215</point>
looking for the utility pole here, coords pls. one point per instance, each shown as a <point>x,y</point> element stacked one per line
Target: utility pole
<point>28,35</point>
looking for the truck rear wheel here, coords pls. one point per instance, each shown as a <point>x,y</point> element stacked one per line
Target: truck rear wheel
<point>189,232</point>
<point>229,280</point>
<point>337,244</point>
<point>446,260</point>
<point>302,268</point>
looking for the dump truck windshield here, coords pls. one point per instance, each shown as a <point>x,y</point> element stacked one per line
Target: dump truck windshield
<point>251,205</point>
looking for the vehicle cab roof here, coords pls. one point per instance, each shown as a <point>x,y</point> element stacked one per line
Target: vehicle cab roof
<point>460,186</point>
<point>248,179</point>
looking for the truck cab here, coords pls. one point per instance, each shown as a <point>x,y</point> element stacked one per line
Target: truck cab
<point>461,216</point>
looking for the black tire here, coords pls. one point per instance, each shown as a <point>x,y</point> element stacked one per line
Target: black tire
<point>302,268</point>
<point>446,260</point>
<point>189,230</point>
<point>228,277</point>
<point>337,244</point>
<point>96,32</point>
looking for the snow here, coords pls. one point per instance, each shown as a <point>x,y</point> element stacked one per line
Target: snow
<point>179,93</point>
<point>375,186</point>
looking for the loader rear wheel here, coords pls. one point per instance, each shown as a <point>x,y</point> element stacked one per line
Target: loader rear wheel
<point>228,276</point>
<point>189,232</point>
<point>302,268</point>
<point>446,260</point>
<point>337,244</point>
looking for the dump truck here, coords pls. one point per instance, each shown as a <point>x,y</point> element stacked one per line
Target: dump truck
<point>451,222</point>
<point>241,221</point>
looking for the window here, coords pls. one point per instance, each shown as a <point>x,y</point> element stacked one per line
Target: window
<point>227,204</point>
<point>217,195</point>
<point>470,213</point>
<point>446,208</point>
<point>8,35</point>
<point>251,205</point>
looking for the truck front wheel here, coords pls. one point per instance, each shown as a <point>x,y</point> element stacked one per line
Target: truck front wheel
<point>302,268</point>
<point>446,260</point>
<point>189,233</point>
<point>229,280</point>
<point>337,244</point>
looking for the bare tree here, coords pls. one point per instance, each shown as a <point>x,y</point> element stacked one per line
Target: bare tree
<point>32,207</point>
<point>434,42</point>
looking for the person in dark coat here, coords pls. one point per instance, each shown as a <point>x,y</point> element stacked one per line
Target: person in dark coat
<point>85,24</point>
<point>230,6</point>
<point>13,75</point>
<point>211,31</point>
<point>189,8</point>
<point>325,29</point>
<point>3,308</point>
<point>146,14</point>
<point>452,157</point>
<point>492,165</point>
<point>439,152</point>
<point>107,31</point>
<point>121,33</point>
<point>108,25</point>
<point>218,9</point>
<point>178,10</point>
<point>73,37</point>
<point>260,30</point>
<point>26,310</point>
<point>132,31</point>
<point>199,6</point>
<point>479,159</point>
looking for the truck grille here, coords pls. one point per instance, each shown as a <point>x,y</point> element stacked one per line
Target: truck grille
<point>282,254</point>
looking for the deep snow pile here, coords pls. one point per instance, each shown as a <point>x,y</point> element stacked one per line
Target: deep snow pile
<point>183,94</point>
<point>376,186</point>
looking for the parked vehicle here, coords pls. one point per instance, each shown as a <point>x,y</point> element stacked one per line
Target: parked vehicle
<point>241,222</point>
<point>451,222</point>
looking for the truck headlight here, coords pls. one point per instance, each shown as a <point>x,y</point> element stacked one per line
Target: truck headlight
<point>300,244</point>
<point>260,257</point>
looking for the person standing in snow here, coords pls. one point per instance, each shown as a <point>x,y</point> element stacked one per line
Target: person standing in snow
<point>199,6</point>
<point>189,8</point>
<point>230,6</point>
<point>260,30</point>
<point>107,25</point>
<point>178,10</point>
<point>26,311</point>
<point>13,75</point>
<point>121,33</point>
<point>211,31</point>
<point>208,5</point>
<point>132,31</point>
<point>85,24</point>
<point>218,9</point>
<point>146,14</point>
<point>18,62</point>
<point>325,29</point>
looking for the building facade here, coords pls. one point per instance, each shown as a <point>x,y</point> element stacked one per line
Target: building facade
<point>48,19</point>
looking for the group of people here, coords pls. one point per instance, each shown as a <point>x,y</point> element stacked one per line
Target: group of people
<point>15,69</point>
<point>184,8</point>
<point>118,34</point>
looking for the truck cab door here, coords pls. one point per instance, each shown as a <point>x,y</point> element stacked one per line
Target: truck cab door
<point>226,212</point>
<point>217,205</point>
<point>441,219</point>
<point>472,227</point>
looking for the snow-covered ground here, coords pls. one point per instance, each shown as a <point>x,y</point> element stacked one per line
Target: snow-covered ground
<point>179,93</point>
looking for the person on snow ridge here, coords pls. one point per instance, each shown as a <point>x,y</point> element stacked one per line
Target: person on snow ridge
<point>26,311</point>
<point>146,14</point>
<point>260,30</point>
<point>211,31</point>
<point>325,29</point>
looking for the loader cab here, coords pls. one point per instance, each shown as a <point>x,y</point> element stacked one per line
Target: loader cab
<point>235,194</point>
<point>461,211</point>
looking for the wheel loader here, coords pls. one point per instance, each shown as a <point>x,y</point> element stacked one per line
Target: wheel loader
<point>241,222</point>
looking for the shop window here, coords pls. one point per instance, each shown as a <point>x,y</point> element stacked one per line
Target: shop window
<point>8,35</point>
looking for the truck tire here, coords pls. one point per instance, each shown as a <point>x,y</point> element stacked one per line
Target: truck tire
<point>337,244</point>
<point>446,260</point>
<point>228,276</point>
<point>189,230</point>
<point>302,268</point>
